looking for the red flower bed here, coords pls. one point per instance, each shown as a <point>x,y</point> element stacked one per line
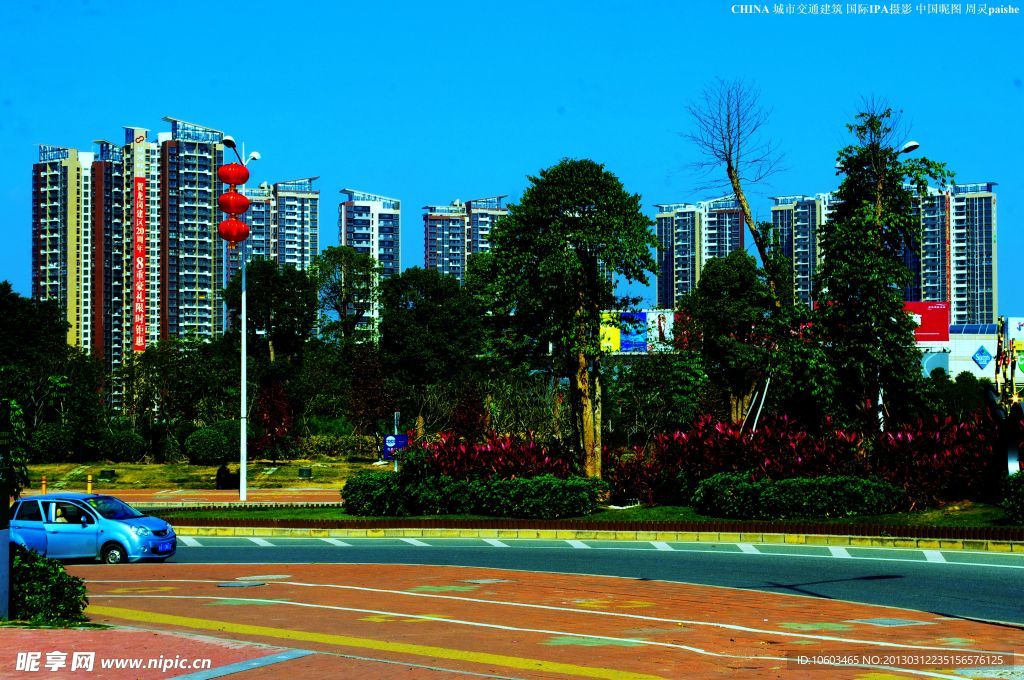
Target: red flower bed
<point>500,457</point>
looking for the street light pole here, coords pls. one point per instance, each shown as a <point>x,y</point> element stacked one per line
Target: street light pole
<point>236,232</point>
<point>243,466</point>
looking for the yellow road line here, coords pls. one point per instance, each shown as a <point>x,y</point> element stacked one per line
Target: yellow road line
<point>520,663</point>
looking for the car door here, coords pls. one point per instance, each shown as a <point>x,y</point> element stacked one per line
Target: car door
<point>71,532</point>
<point>27,526</point>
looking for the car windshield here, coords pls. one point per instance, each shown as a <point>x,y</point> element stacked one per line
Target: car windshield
<point>111,508</point>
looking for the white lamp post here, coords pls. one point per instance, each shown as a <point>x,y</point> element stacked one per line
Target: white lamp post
<point>243,454</point>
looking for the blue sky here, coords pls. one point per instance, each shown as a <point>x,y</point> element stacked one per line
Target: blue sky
<point>429,102</point>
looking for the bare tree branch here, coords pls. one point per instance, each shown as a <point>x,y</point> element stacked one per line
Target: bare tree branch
<point>728,130</point>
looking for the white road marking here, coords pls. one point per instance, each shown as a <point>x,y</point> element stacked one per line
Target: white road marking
<point>839,552</point>
<point>262,542</point>
<point>933,556</point>
<point>190,542</point>
<point>572,610</point>
<point>747,548</point>
<point>416,542</point>
<point>337,541</point>
<point>496,543</point>
<point>578,544</point>
<point>606,638</point>
<point>662,545</point>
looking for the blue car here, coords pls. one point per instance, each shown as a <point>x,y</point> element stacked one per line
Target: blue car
<point>85,525</point>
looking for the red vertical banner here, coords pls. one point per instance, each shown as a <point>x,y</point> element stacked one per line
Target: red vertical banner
<point>139,270</point>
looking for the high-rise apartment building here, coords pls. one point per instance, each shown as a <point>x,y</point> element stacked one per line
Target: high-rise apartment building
<point>284,225</point>
<point>451,233</point>
<point>371,224</point>
<point>688,236</point>
<point>444,238</point>
<point>62,236</point>
<point>953,258</point>
<point>125,239</point>
<point>972,254</point>
<point>797,221</point>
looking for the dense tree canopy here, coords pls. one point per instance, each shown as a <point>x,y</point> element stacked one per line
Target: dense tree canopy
<point>556,255</point>
<point>870,339</point>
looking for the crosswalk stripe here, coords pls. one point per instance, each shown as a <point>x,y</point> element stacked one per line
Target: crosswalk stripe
<point>749,549</point>
<point>662,545</point>
<point>190,542</point>
<point>262,542</point>
<point>495,542</point>
<point>933,556</point>
<point>578,544</point>
<point>337,541</point>
<point>416,542</point>
<point>838,552</point>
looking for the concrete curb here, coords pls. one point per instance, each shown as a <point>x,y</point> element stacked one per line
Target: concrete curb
<point>597,535</point>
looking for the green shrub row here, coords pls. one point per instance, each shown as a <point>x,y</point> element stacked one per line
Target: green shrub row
<point>337,446</point>
<point>736,495</point>
<point>1013,499</point>
<point>42,592</point>
<point>379,493</point>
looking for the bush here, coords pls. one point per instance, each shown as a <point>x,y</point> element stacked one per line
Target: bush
<point>828,497</point>
<point>124,446</point>
<point>500,457</point>
<point>1013,498</point>
<point>42,592</point>
<point>544,497</point>
<point>444,496</point>
<point>207,446</point>
<point>729,494</point>
<point>375,493</point>
<point>337,446</point>
<point>739,496</point>
<point>50,443</point>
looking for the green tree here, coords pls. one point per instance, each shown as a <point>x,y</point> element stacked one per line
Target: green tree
<point>430,333</point>
<point>726,320</point>
<point>347,287</point>
<point>650,394</point>
<point>556,253</point>
<point>869,338</point>
<point>282,306</point>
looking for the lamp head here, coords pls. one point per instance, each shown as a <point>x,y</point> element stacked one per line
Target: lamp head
<point>228,141</point>
<point>910,146</point>
<point>253,156</point>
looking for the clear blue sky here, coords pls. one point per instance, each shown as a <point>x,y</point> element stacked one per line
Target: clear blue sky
<point>432,101</point>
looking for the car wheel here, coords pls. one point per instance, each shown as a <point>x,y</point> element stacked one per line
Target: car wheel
<point>113,554</point>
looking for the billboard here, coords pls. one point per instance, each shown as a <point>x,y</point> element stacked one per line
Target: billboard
<point>932,319</point>
<point>139,271</point>
<point>637,332</point>
<point>1015,330</point>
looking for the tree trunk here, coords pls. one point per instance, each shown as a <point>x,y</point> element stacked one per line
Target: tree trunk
<point>760,242</point>
<point>588,407</point>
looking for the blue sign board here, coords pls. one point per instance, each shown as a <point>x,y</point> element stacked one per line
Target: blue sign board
<point>394,442</point>
<point>982,357</point>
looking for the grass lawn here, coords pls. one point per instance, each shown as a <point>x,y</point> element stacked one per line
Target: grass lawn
<point>262,475</point>
<point>965,514</point>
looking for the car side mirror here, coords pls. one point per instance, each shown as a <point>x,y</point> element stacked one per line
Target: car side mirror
<point>86,520</point>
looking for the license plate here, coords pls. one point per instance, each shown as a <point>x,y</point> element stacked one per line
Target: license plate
<point>164,547</point>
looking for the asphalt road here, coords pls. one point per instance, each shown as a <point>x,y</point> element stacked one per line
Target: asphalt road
<point>960,585</point>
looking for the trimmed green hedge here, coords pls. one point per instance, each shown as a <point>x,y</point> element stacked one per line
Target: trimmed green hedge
<point>376,493</point>
<point>336,446</point>
<point>1013,499</point>
<point>735,495</point>
<point>208,446</point>
<point>42,592</point>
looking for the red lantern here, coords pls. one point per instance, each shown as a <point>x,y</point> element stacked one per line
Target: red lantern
<point>233,173</point>
<point>233,203</point>
<point>234,230</point>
